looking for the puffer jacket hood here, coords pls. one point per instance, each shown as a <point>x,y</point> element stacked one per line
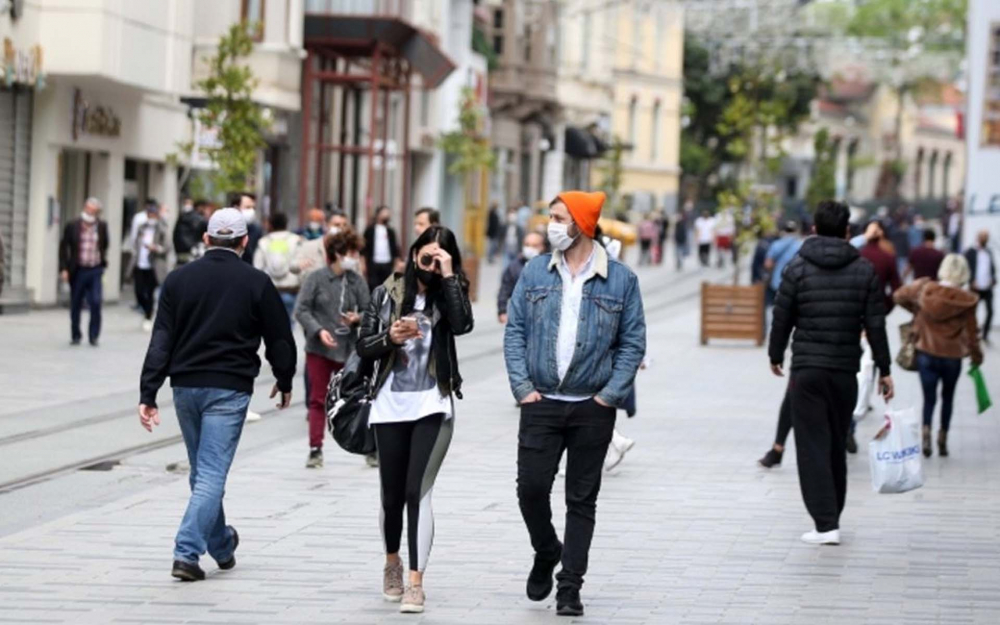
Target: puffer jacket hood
<point>940,302</point>
<point>828,252</point>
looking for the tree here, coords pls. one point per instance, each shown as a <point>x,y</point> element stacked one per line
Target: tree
<point>823,182</point>
<point>238,121</point>
<point>470,150</point>
<point>611,176</point>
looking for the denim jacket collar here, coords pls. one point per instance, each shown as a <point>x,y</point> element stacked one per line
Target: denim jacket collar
<point>600,260</point>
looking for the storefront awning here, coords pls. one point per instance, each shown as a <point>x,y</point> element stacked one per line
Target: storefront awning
<point>581,143</point>
<point>360,32</point>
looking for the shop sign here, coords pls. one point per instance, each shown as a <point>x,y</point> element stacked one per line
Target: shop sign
<point>94,119</point>
<point>22,66</point>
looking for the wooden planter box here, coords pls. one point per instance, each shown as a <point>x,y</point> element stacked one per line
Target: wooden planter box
<point>732,312</point>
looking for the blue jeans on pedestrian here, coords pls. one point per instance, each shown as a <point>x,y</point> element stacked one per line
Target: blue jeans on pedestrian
<point>288,299</point>
<point>211,421</point>
<point>934,369</point>
<point>86,285</point>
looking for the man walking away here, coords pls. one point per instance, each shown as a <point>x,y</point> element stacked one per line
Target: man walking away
<point>534,245</point>
<point>188,232</point>
<point>572,306</point>
<point>681,237</point>
<point>779,254</point>
<point>275,256</point>
<point>213,314</point>
<point>828,295</point>
<point>149,261</point>
<point>704,228</point>
<point>493,232</point>
<point>83,256</point>
<point>381,248</point>
<point>247,204</point>
<point>925,259</point>
<point>424,219</point>
<point>983,269</point>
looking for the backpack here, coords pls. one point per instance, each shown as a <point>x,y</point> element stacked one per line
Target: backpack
<point>277,257</point>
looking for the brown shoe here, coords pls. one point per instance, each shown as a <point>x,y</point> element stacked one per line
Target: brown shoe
<point>392,582</point>
<point>943,443</point>
<point>927,441</point>
<point>413,600</point>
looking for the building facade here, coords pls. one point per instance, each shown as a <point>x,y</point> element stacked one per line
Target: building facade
<point>982,185</point>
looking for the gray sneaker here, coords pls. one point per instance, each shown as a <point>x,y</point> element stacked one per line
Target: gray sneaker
<point>413,600</point>
<point>392,582</point>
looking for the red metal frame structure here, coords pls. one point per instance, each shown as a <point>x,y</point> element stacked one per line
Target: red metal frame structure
<point>376,54</point>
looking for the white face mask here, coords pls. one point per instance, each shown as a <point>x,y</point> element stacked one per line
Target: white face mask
<point>87,217</point>
<point>559,236</point>
<point>249,214</point>
<point>334,230</point>
<point>315,225</point>
<point>349,263</point>
<point>529,252</point>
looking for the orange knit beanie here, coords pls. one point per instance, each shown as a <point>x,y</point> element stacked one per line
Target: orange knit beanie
<point>585,208</point>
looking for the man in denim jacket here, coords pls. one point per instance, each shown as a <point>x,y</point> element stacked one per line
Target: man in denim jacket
<point>574,339</point>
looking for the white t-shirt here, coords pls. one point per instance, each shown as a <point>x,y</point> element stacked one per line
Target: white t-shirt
<point>705,227</point>
<point>147,232</point>
<point>569,318</point>
<point>411,392</point>
<point>982,279</point>
<point>382,253</point>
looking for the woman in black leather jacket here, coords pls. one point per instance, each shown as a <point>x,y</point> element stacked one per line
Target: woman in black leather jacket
<point>409,329</point>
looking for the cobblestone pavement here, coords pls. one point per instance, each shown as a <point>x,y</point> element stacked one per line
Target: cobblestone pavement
<point>689,530</point>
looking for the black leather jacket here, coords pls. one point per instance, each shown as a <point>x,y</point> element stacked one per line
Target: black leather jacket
<point>385,308</point>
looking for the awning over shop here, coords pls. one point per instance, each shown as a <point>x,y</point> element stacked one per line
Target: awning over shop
<point>364,32</point>
<point>581,143</point>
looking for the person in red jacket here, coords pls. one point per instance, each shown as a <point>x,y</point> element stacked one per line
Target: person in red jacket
<point>883,261</point>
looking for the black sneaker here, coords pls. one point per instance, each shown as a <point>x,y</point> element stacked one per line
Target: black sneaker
<point>74,342</point>
<point>315,460</point>
<point>771,459</point>
<point>540,578</point>
<point>568,602</point>
<point>187,572</point>
<point>231,562</point>
<point>94,342</point>
<point>852,444</point>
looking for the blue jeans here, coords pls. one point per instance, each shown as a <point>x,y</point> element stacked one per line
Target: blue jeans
<point>211,421</point>
<point>86,285</point>
<point>288,299</point>
<point>934,369</point>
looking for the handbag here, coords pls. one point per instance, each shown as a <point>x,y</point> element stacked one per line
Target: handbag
<point>907,356</point>
<point>348,404</point>
<point>983,401</point>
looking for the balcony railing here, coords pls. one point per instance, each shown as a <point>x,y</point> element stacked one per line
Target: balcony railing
<point>403,9</point>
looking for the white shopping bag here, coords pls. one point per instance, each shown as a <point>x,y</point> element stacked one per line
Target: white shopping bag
<point>866,384</point>
<point>894,454</point>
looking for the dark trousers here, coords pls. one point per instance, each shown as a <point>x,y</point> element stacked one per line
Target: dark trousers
<point>378,273</point>
<point>934,369</point>
<point>410,454</point>
<point>583,430</point>
<point>145,287</point>
<point>704,252</point>
<point>86,285</point>
<point>784,420</point>
<point>987,298</point>
<point>318,372</point>
<point>822,401</point>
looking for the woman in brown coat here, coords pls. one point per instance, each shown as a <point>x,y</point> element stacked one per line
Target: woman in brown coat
<point>945,326</point>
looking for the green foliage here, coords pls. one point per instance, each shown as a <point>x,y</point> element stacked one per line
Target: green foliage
<point>482,45</point>
<point>611,171</point>
<point>470,150</point>
<point>823,182</point>
<point>924,25</point>
<point>230,109</point>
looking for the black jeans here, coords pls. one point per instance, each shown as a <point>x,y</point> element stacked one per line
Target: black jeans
<point>934,369</point>
<point>987,298</point>
<point>86,284</point>
<point>145,288</point>
<point>378,273</point>
<point>704,251</point>
<point>583,430</point>
<point>784,420</point>
<point>822,402</point>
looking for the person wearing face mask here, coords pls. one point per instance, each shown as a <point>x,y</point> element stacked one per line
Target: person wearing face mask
<point>149,261</point>
<point>247,204</point>
<point>83,257</point>
<point>409,328</point>
<point>381,248</point>
<point>574,306</point>
<point>329,308</point>
<point>513,234</point>
<point>532,246</point>
<point>315,227</point>
<point>311,255</point>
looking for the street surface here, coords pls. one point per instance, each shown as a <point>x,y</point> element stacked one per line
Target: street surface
<point>689,529</point>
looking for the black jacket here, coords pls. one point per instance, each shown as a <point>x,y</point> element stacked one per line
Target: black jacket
<point>212,315</point>
<point>187,233</point>
<point>69,246</point>
<point>370,243</point>
<point>507,283</point>
<point>385,308</point>
<point>972,257</point>
<point>829,294</point>
<point>254,234</point>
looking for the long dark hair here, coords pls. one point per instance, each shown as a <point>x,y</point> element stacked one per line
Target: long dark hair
<point>444,238</point>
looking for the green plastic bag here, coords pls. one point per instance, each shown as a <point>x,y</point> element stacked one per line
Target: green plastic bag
<point>982,395</point>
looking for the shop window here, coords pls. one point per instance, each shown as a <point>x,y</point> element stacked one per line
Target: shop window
<point>991,105</point>
<point>252,14</point>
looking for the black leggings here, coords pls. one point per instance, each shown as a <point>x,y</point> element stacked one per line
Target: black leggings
<point>145,288</point>
<point>784,421</point>
<point>409,457</point>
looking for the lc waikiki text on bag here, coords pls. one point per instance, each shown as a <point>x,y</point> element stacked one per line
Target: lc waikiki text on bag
<point>894,454</point>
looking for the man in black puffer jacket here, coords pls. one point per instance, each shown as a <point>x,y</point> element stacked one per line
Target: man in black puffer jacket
<point>829,294</point>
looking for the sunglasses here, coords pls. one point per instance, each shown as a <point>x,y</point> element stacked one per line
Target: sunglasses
<point>427,261</point>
